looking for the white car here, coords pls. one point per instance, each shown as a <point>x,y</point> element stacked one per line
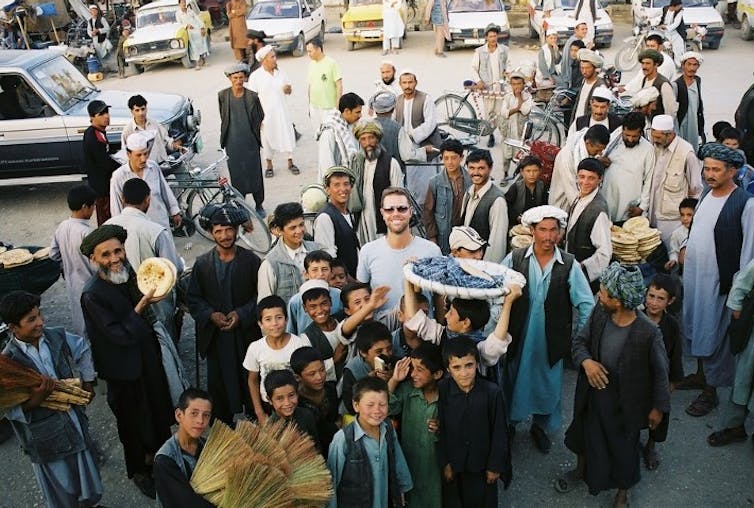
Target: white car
<point>468,19</point>
<point>695,12</point>
<point>288,24</point>
<point>563,20</point>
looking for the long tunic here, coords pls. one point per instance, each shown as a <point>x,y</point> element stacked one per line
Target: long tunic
<point>244,163</point>
<point>77,269</point>
<point>197,42</point>
<point>688,129</point>
<point>537,386</point>
<point>162,204</point>
<point>277,127</point>
<point>704,312</point>
<point>368,221</point>
<point>73,480</point>
<point>743,384</point>
<point>237,10</point>
<point>392,24</point>
<point>629,178</point>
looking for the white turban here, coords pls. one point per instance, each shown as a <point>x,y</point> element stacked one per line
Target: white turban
<point>263,52</point>
<point>534,216</point>
<point>551,31</point>
<point>645,96</point>
<point>602,92</point>
<point>663,123</point>
<point>692,54</point>
<point>587,55</point>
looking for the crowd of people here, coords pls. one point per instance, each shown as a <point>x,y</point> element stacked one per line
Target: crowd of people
<point>413,398</point>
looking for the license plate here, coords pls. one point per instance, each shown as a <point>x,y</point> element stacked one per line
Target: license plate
<point>371,33</point>
<point>473,41</point>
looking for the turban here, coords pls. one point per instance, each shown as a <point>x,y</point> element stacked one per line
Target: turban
<point>551,31</point>
<point>593,165</point>
<point>587,55</point>
<point>466,237</point>
<point>263,52</point>
<point>235,68</point>
<point>722,153</point>
<point>99,235</point>
<point>653,54</point>
<point>534,216</point>
<point>222,215</point>
<point>692,54</point>
<point>625,283</point>
<point>338,170</point>
<point>644,97</point>
<point>602,93</point>
<point>382,102</point>
<point>663,123</point>
<point>367,127</point>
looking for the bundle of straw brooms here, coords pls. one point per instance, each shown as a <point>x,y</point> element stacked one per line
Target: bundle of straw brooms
<point>273,466</point>
<point>17,381</point>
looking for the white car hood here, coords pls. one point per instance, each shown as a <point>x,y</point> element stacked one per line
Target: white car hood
<point>154,33</point>
<point>273,27</point>
<point>692,15</point>
<point>477,19</point>
<point>566,19</point>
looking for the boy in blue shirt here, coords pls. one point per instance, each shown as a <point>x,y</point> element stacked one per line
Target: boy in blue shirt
<point>317,266</point>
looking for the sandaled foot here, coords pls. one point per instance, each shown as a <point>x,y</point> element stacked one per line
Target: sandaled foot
<point>269,173</point>
<point>691,382</point>
<point>567,482</point>
<point>621,500</point>
<point>703,404</point>
<point>651,460</point>
<point>727,436</point>
<point>294,169</point>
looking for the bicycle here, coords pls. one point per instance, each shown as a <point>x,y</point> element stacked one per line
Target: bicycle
<point>196,188</point>
<point>548,124</point>
<point>459,111</point>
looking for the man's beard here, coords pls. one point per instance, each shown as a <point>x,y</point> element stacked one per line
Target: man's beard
<point>388,82</point>
<point>371,154</point>
<point>631,145</point>
<point>120,277</point>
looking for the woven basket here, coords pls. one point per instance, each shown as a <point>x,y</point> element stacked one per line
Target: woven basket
<point>511,276</point>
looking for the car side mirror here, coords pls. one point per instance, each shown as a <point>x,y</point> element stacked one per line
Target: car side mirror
<point>507,7</point>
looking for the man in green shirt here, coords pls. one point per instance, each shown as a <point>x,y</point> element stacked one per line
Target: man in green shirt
<point>324,83</point>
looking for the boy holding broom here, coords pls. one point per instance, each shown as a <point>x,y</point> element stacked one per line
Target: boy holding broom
<point>56,441</point>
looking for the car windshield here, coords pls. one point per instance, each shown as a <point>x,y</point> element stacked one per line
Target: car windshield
<point>154,17</point>
<point>62,82</point>
<point>474,5</point>
<point>659,4</point>
<point>272,10</point>
<point>359,3</point>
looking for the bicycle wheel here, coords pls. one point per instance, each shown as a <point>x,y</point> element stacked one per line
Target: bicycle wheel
<point>544,128</point>
<point>254,233</point>
<point>197,199</point>
<point>456,116</point>
<point>415,222</point>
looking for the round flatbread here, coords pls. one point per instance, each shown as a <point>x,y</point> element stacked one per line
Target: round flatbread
<point>157,273</point>
<point>647,234</point>
<point>520,241</point>
<point>636,224</point>
<point>42,253</point>
<point>15,257</point>
<point>519,230</point>
<point>624,239</point>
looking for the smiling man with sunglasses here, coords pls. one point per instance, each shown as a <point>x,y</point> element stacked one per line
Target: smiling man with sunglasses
<point>381,261</point>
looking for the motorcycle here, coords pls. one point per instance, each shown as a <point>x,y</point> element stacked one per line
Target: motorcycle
<point>627,56</point>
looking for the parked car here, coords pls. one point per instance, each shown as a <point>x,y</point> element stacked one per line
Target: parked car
<point>288,24</point>
<point>695,12</point>
<point>159,38</point>
<point>362,22</point>
<point>45,137</point>
<point>467,20</point>
<point>563,20</point>
<point>745,14</point>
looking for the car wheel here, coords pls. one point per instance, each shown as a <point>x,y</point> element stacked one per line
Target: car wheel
<point>322,32</point>
<point>139,68</point>
<point>350,45</point>
<point>715,44</point>
<point>746,31</point>
<point>300,47</point>
<point>186,61</point>
<point>532,33</point>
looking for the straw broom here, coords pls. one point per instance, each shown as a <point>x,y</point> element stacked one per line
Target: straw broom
<point>13,375</point>
<point>256,486</point>
<point>265,444</point>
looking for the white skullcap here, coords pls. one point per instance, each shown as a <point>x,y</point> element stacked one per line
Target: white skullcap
<point>407,71</point>
<point>692,54</point>
<point>662,123</point>
<point>602,92</point>
<point>263,52</point>
<point>387,62</point>
<point>644,97</point>
<point>551,31</point>
<point>587,55</point>
<point>534,216</point>
<point>138,141</point>
<point>313,284</point>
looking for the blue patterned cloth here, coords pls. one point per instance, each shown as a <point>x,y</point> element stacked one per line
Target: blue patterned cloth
<point>446,270</point>
<point>435,16</point>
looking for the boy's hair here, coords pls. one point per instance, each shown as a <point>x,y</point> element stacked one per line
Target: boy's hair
<point>314,293</point>
<point>79,196</point>
<point>664,281</point>
<point>688,203</point>
<point>421,299</point>
<point>16,304</point>
<point>371,332</point>
<point>368,384</point>
<point>190,394</point>
<point>271,302</point>
<point>277,379</point>
<point>718,128</point>
<point>530,160</point>
<point>135,191</point>
<point>350,288</point>
<point>430,355</point>
<point>349,100</point>
<point>316,42</point>
<point>452,145</point>
<point>461,346</point>
<point>476,311</point>
<point>317,255</point>
<point>302,357</point>
<point>479,154</point>
<point>731,133</point>
<point>136,100</point>
<point>337,263</point>
<point>285,213</point>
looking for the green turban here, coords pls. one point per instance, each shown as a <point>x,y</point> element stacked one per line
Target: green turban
<point>626,283</point>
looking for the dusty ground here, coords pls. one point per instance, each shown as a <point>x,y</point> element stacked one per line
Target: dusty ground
<point>692,474</point>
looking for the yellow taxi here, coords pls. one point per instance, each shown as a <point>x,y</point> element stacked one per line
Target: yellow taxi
<point>362,22</point>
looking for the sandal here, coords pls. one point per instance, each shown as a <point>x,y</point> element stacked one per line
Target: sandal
<point>294,169</point>
<point>690,382</point>
<point>567,482</point>
<point>727,436</point>
<point>269,173</point>
<point>702,405</point>
<point>651,461</point>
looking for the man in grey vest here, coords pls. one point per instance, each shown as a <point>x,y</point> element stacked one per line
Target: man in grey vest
<point>488,68</point>
<point>484,207</point>
<point>650,61</point>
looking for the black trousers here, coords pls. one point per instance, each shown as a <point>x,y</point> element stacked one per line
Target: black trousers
<point>469,490</point>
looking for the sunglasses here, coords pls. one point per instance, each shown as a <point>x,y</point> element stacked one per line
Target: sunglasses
<point>399,209</point>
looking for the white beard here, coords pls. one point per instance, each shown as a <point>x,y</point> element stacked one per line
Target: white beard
<point>120,277</point>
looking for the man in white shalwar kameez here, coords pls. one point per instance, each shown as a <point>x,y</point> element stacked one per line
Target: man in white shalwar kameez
<point>197,48</point>
<point>586,11</point>
<point>392,26</point>
<point>720,243</point>
<point>273,85</point>
<point>628,178</point>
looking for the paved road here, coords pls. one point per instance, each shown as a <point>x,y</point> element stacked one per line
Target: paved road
<point>692,474</point>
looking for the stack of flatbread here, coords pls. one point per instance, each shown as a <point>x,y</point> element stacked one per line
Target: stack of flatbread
<point>520,236</point>
<point>635,240</point>
<point>158,273</point>
<point>42,253</point>
<point>15,257</point>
